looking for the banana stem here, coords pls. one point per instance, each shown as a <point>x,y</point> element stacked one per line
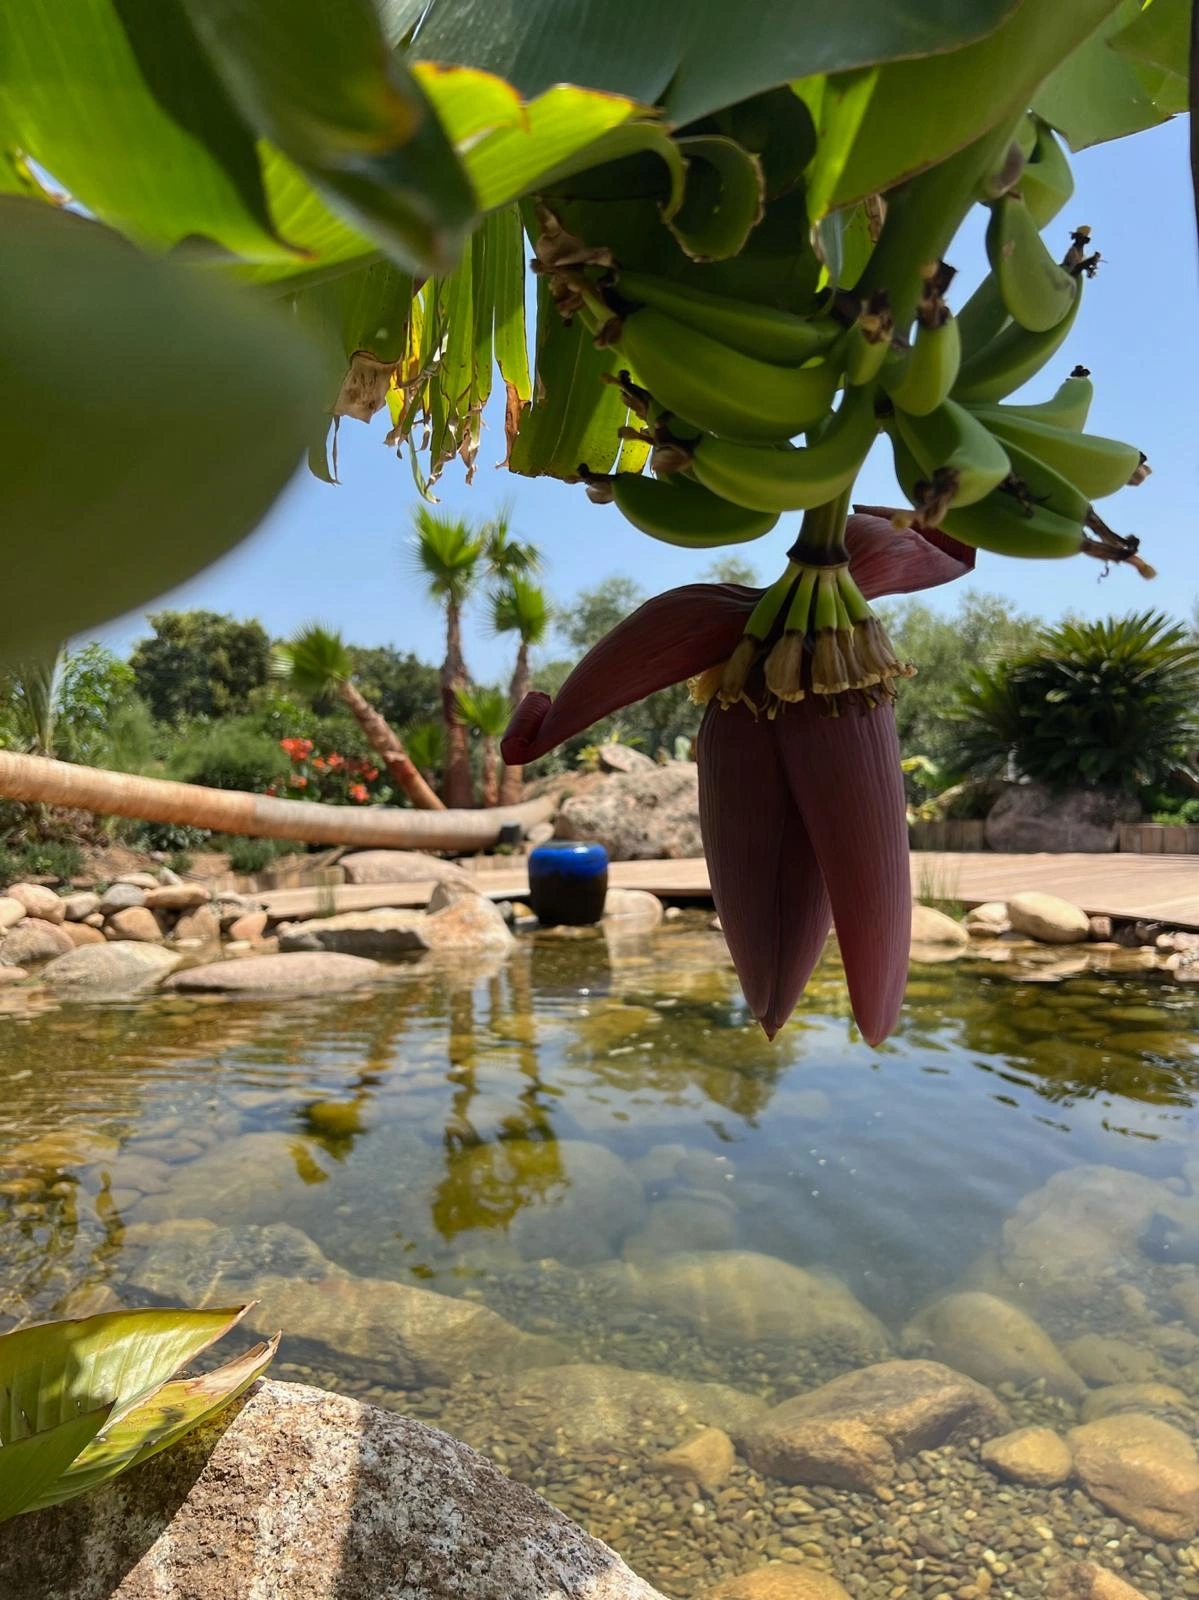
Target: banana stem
<point>822,534</point>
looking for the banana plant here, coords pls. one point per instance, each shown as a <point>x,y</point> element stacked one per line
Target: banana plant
<point>85,1400</point>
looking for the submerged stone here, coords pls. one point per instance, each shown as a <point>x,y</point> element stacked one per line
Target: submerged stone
<point>990,1340</point>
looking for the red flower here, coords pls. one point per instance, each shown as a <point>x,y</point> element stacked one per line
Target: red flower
<point>319,763</point>
<point>298,781</point>
<point>370,774</point>
<point>359,793</point>
<point>802,810</point>
<point>335,760</point>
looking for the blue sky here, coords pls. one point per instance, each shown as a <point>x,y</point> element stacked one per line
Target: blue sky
<point>338,555</point>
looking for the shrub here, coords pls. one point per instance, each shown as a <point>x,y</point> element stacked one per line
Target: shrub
<point>1113,704</point>
<point>167,837</point>
<point>44,858</point>
<point>230,755</point>
<point>254,855</point>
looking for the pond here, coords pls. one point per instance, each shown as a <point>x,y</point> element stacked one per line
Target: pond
<point>543,1205</point>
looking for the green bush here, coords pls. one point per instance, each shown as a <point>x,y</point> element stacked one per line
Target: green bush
<point>230,755</point>
<point>1185,812</point>
<point>45,858</point>
<point>253,855</point>
<point>167,837</point>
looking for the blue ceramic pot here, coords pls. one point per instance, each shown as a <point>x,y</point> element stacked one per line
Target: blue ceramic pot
<point>568,883</point>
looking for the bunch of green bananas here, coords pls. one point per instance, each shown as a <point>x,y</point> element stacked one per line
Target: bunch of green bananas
<point>726,385</point>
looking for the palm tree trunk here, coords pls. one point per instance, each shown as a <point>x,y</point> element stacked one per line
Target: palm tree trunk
<point>386,744</point>
<point>457,781</point>
<point>488,785</point>
<point>120,794</point>
<point>512,781</point>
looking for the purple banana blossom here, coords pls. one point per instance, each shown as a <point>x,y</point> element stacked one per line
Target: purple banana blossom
<point>802,813</point>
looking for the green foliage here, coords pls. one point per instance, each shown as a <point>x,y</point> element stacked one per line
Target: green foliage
<point>41,858</point>
<point>596,611</point>
<point>169,838</point>
<point>449,554</point>
<point>485,710</point>
<point>401,687</point>
<point>229,755</point>
<point>248,855</point>
<point>519,606</point>
<point>85,1400</point>
<point>1182,812</point>
<point>312,662</point>
<point>1112,704</point>
<point>732,569</point>
<point>425,742</point>
<point>131,740</point>
<point>200,664</point>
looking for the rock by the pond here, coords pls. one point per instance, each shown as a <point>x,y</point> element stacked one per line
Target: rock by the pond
<point>778,1581</point>
<point>1036,1457</point>
<point>106,970</point>
<point>1084,1580</point>
<point>469,923</point>
<point>852,1432</point>
<point>400,866</point>
<point>987,1339</point>
<point>1048,918</point>
<point>1141,1469</point>
<point>606,1407</point>
<point>684,1221</point>
<point>707,1458</point>
<point>136,923</point>
<point>1102,1360</point>
<point>296,1494</point>
<point>933,927</point>
<point>632,908</point>
<point>12,975</point>
<point>646,815</point>
<point>1150,1399</point>
<point>623,758</point>
<point>250,925</point>
<point>988,920</point>
<point>1099,929</point>
<point>81,933</point>
<point>11,912</point>
<point>739,1297</point>
<point>139,880</point>
<point>1030,817</point>
<point>32,941</point>
<point>380,934</point>
<point>177,897</point>
<point>320,972</point>
<point>121,897</point>
<point>38,901</point>
<point>203,926</point>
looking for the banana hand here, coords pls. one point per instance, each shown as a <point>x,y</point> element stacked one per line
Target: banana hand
<point>957,452</point>
<point>680,512</point>
<point>922,381</point>
<point>1011,358</point>
<point>1036,291</point>
<point>755,330</point>
<point>1097,465</point>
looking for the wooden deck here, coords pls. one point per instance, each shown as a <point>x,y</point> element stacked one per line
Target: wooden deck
<point>1155,888</point>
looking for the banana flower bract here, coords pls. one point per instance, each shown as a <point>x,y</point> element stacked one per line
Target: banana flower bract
<point>802,810</point>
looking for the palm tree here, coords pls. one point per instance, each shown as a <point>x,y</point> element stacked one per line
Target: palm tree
<point>486,711</point>
<point>518,606</point>
<point>426,746</point>
<point>30,689</point>
<point>317,664</point>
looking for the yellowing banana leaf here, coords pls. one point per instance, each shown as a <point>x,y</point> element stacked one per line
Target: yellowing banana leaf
<point>694,58</point>
<point>723,200</point>
<point>323,85</point>
<point>506,240</point>
<point>155,1423</point>
<point>150,417</point>
<point>576,415</point>
<point>1098,93</point>
<point>117,103</point>
<point>558,126</point>
<point>926,109</point>
<point>28,1466</point>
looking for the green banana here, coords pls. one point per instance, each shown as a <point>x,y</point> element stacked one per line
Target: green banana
<point>1046,182</point>
<point>961,455</point>
<point>1036,291</point>
<point>1098,466</point>
<point>1011,358</point>
<point>1068,408</point>
<point>982,317</point>
<point>755,330</point>
<point>998,522</point>
<point>1034,484</point>
<point>790,479</point>
<point>867,342</point>
<point>924,379</point>
<point>680,512</point>
<point>720,390</point>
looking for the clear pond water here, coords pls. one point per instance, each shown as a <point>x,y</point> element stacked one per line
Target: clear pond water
<point>593,1152</point>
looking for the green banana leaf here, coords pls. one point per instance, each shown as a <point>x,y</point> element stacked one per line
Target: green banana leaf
<point>30,1465</point>
<point>1100,93</point>
<point>331,94</point>
<point>1159,36</point>
<point>723,199</point>
<point>114,99</point>
<point>158,1421</point>
<point>692,59</point>
<point>150,418</point>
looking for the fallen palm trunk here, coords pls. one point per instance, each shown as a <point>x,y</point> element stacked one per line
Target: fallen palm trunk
<point>121,794</point>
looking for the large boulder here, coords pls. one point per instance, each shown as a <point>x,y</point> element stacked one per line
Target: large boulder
<point>1029,817</point>
<point>177,897</point>
<point>33,940</point>
<point>11,912</point>
<point>988,1339</point>
<point>316,973</point>
<point>852,1433</point>
<point>135,923</point>
<point>638,816</point>
<point>380,934</point>
<point>400,866</point>
<point>1141,1469</point>
<point>108,971</point>
<point>302,1495</point>
<point>1048,917</point>
<point>38,901</point>
<point>623,758</point>
<point>469,923</point>
<point>934,928</point>
<point>121,897</point>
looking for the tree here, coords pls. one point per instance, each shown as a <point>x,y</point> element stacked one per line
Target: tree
<point>732,569</point>
<point>200,664</point>
<point>426,746</point>
<point>404,689</point>
<point>518,606</point>
<point>316,662</point>
<point>1111,704</point>
<point>65,704</point>
<point>486,711</point>
<point>596,611</point>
